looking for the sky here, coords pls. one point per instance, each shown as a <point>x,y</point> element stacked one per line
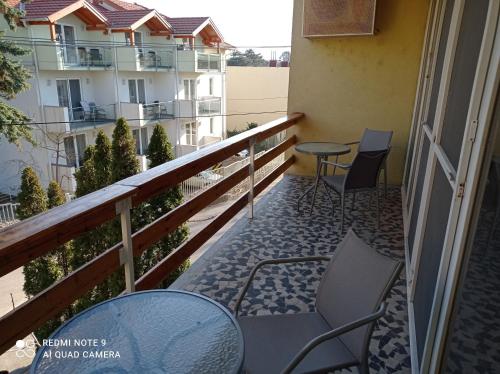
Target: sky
<point>242,23</point>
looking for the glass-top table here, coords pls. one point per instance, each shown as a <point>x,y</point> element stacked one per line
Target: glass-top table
<point>160,331</point>
<point>322,150</point>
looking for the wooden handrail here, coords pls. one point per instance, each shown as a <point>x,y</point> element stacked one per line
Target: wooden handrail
<point>25,241</point>
<point>36,236</point>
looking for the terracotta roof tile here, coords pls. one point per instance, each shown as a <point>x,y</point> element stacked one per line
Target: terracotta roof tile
<point>185,25</point>
<point>124,5</point>
<point>123,18</point>
<point>42,8</point>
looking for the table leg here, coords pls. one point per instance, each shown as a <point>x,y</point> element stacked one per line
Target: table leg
<point>318,174</point>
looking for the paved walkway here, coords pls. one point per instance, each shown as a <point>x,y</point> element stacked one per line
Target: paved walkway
<point>279,231</point>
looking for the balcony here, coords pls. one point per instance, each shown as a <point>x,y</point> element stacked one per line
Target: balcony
<point>277,230</point>
<point>209,106</point>
<point>145,59</point>
<point>79,118</point>
<point>57,56</point>
<point>141,114</point>
<point>197,62</point>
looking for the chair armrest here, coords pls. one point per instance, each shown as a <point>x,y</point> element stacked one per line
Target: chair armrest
<point>333,334</point>
<point>272,262</point>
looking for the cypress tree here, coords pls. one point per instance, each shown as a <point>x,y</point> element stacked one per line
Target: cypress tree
<point>43,271</point>
<point>86,175</point>
<point>63,254</point>
<point>102,160</point>
<point>160,151</point>
<point>124,163</point>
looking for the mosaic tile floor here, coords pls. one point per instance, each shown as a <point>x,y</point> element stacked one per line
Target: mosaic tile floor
<point>279,231</point>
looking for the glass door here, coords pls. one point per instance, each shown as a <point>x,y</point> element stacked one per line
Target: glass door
<point>440,164</point>
<point>69,96</point>
<point>137,91</point>
<point>65,35</point>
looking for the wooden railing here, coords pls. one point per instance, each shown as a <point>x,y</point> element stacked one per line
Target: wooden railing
<point>38,235</point>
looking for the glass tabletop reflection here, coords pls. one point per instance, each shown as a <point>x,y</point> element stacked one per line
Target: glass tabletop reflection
<point>161,331</point>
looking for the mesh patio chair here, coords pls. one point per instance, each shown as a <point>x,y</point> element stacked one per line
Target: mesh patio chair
<point>362,175</point>
<point>349,300</point>
<point>374,140</point>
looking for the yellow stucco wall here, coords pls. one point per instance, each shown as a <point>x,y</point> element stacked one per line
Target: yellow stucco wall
<point>255,90</point>
<point>344,85</point>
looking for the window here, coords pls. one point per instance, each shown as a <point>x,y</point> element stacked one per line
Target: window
<point>211,125</point>
<point>137,91</point>
<point>141,140</point>
<point>144,140</point>
<point>65,35</point>
<point>191,133</point>
<point>137,38</point>
<point>211,86</point>
<point>135,134</point>
<point>189,89</point>
<point>74,147</point>
<point>69,96</point>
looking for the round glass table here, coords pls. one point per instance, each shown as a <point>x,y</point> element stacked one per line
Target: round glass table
<point>322,150</point>
<point>160,331</point>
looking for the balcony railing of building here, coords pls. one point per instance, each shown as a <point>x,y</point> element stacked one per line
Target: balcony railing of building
<point>208,61</point>
<point>158,110</point>
<point>209,106</point>
<point>74,56</point>
<point>36,236</point>
<point>155,59</point>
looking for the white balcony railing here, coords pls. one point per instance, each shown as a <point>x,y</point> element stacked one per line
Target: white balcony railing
<point>209,106</point>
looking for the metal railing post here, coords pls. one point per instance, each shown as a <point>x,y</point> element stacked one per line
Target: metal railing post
<point>251,176</point>
<point>126,253</point>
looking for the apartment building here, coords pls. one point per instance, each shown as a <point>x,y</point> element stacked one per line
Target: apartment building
<point>97,60</point>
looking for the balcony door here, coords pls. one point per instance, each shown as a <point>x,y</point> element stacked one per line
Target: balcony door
<point>137,91</point>
<point>189,89</point>
<point>65,35</point>
<point>456,58</point>
<point>69,95</point>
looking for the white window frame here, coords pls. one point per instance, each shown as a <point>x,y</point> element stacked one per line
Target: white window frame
<point>191,133</point>
<point>190,94</point>
<point>137,90</point>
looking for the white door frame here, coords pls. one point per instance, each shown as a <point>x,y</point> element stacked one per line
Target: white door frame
<point>438,158</point>
<point>480,114</point>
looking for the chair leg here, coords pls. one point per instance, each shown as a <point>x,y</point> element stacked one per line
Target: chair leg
<point>385,180</point>
<point>342,213</point>
<point>378,210</point>
<point>330,198</point>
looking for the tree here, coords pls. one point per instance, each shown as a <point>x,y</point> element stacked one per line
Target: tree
<point>43,271</point>
<point>86,175</point>
<point>160,151</point>
<point>102,160</point>
<point>13,80</point>
<point>124,162</point>
<point>56,197</point>
<point>32,198</point>
<point>285,56</point>
<point>248,58</point>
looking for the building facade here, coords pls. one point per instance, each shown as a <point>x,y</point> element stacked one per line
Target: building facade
<point>95,61</point>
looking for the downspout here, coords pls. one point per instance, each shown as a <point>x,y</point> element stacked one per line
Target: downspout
<point>117,92</point>
<point>41,110</point>
<point>177,104</point>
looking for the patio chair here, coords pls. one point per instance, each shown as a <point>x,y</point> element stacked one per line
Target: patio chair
<point>374,140</point>
<point>97,112</point>
<point>95,57</point>
<point>349,300</point>
<point>362,175</point>
<point>87,112</point>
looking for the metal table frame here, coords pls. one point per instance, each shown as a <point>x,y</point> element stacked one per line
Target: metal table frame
<point>320,157</point>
